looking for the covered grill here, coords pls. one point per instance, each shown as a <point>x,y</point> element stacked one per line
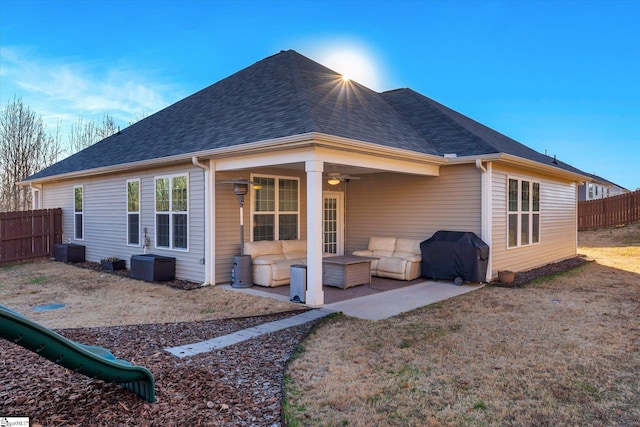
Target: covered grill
<point>455,255</point>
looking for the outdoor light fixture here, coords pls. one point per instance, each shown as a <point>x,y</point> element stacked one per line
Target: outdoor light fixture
<point>333,181</point>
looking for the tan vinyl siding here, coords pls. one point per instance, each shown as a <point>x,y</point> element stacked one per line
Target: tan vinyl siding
<point>558,231</point>
<point>227,222</point>
<point>105,217</point>
<point>409,206</point>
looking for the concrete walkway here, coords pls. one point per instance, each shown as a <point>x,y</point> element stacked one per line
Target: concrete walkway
<point>371,307</point>
<point>246,334</point>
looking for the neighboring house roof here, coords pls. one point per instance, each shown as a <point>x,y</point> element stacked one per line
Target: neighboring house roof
<point>600,180</point>
<point>288,94</point>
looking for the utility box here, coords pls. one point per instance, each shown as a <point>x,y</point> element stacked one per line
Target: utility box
<point>153,268</point>
<point>241,276</point>
<point>69,252</point>
<point>298,286</point>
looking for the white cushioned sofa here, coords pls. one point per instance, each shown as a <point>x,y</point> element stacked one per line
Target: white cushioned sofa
<point>271,260</point>
<point>397,258</point>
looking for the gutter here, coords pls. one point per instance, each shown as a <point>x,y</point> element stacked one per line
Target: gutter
<point>196,162</point>
<point>522,162</point>
<point>309,139</point>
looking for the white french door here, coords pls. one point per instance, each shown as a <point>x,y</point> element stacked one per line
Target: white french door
<point>333,222</point>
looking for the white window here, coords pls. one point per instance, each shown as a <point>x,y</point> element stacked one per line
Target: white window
<point>523,212</point>
<point>275,208</point>
<point>78,212</point>
<point>133,212</point>
<point>590,195</point>
<point>172,212</point>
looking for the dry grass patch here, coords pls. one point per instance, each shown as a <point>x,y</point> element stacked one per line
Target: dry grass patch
<point>101,299</point>
<point>561,351</point>
<point>616,247</point>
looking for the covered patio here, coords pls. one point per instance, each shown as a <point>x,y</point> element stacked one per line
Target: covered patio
<point>314,159</point>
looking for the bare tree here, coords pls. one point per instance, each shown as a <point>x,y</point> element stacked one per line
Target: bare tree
<point>25,148</point>
<point>86,132</point>
<point>139,117</point>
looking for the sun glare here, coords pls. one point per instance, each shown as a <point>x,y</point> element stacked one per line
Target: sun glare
<point>353,64</point>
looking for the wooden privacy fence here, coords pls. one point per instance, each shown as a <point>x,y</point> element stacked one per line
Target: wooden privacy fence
<point>29,234</point>
<point>609,212</point>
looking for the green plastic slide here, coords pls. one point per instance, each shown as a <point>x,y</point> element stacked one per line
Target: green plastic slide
<point>92,361</point>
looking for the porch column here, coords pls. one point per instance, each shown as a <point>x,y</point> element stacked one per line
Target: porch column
<point>488,223</point>
<point>486,210</point>
<point>210,221</point>
<point>208,212</point>
<point>314,294</point>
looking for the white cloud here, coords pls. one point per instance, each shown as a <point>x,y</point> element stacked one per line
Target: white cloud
<point>62,91</point>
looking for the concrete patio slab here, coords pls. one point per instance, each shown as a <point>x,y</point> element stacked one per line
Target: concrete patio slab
<point>391,303</point>
<point>384,303</point>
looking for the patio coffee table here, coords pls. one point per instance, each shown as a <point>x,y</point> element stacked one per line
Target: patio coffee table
<point>346,271</point>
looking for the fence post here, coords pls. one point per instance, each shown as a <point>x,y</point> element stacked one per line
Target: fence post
<point>52,231</point>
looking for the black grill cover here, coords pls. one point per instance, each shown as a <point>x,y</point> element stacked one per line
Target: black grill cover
<point>451,254</point>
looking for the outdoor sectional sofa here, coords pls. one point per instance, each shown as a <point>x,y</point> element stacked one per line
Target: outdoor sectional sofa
<point>396,258</point>
<point>271,260</point>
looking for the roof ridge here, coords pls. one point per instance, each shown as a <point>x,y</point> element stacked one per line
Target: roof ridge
<point>303,103</point>
<point>442,107</point>
<point>438,108</point>
<point>404,119</point>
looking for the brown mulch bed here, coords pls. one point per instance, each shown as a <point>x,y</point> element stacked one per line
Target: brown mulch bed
<point>524,277</point>
<point>240,385</point>
<point>176,283</point>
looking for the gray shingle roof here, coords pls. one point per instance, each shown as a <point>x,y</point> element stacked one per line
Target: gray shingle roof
<point>455,133</point>
<point>288,94</point>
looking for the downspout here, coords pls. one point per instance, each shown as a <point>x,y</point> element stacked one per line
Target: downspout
<point>207,226</point>
<point>485,209</point>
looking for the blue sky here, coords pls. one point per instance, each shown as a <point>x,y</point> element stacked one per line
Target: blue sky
<point>560,76</point>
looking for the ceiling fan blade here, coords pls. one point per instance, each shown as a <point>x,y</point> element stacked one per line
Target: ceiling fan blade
<point>341,177</point>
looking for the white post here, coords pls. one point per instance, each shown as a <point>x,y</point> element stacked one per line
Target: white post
<point>488,198</point>
<point>241,202</point>
<point>210,224</point>
<point>314,294</point>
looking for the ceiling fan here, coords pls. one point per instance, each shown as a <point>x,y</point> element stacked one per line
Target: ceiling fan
<point>336,178</point>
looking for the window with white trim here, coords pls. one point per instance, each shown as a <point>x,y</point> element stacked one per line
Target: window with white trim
<point>276,208</point>
<point>78,212</point>
<point>133,212</point>
<point>523,216</point>
<point>172,212</point>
